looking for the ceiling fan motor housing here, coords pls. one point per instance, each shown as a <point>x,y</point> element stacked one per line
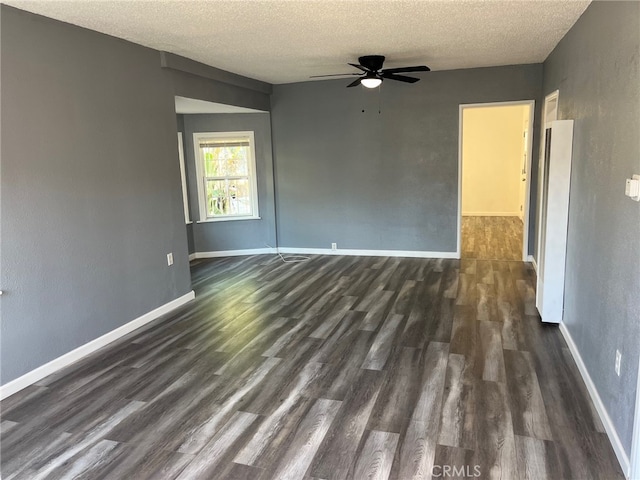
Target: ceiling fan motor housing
<point>372,62</point>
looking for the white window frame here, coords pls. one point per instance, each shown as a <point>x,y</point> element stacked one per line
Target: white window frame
<point>183,179</point>
<point>202,192</point>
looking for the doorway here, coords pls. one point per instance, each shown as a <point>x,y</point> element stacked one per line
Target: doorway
<point>225,153</point>
<point>495,146</point>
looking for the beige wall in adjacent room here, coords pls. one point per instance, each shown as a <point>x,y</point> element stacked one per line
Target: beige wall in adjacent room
<point>492,157</point>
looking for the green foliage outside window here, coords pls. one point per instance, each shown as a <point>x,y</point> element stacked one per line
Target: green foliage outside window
<point>225,195</point>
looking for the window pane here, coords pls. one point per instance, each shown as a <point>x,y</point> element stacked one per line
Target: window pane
<point>211,163</point>
<point>223,161</point>
<point>217,201</point>
<point>240,197</point>
<point>228,197</point>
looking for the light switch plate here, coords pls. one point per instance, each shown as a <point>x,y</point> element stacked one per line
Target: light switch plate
<point>632,188</point>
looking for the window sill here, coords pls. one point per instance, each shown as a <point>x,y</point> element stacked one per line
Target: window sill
<point>227,219</point>
<point>189,222</point>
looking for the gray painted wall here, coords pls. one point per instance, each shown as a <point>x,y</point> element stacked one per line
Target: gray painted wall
<point>91,199</point>
<point>240,234</point>
<point>193,86</point>
<point>187,65</point>
<point>191,245</point>
<point>596,68</point>
<point>388,180</point>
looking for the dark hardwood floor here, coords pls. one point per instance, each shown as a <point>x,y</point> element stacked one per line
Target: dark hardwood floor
<point>340,367</point>
<point>492,238</point>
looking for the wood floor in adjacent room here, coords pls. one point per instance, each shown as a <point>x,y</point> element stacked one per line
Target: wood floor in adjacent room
<point>492,238</point>
<point>340,367</point>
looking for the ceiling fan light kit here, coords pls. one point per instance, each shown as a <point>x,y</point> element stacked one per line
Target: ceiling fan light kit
<point>370,81</point>
<point>372,73</point>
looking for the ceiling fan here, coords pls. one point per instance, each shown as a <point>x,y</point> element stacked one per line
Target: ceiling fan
<point>372,74</point>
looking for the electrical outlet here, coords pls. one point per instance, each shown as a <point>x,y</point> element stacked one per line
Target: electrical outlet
<point>169,259</point>
<point>334,246</point>
<point>618,361</point>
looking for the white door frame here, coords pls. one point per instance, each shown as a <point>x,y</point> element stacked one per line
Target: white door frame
<point>549,114</point>
<point>525,231</point>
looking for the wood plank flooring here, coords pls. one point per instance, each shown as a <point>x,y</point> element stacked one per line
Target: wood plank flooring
<point>492,238</point>
<point>339,367</point>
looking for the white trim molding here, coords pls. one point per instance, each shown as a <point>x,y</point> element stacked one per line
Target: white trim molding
<point>228,219</point>
<point>368,253</point>
<point>635,441</point>
<point>616,443</point>
<point>77,354</point>
<point>192,256</point>
<point>183,180</point>
<point>325,251</point>
<point>549,114</point>
<point>235,253</point>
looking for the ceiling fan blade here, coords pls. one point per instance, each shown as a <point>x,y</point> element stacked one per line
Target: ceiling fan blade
<point>400,78</point>
<point>335,75</point>
<point>360,67</point>
<point>417,68</point>
<point>355,83</point>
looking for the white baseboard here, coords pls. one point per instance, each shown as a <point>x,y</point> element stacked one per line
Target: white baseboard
<point>367,253</point>
<point>235,253</point>
<point>328,251</point>
<point>192,256</point>
<point>623,459</point>
<point>490,214</point>
<point>635,441</point>
<point>74,355</point>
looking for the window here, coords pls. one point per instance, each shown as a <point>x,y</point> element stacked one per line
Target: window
<point>227,188</point>
<point>183,178</point>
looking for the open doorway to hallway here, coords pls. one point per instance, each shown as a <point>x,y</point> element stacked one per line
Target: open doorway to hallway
<point>495,148</point>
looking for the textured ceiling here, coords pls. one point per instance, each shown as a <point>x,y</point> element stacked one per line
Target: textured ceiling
<point>288,41</point>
